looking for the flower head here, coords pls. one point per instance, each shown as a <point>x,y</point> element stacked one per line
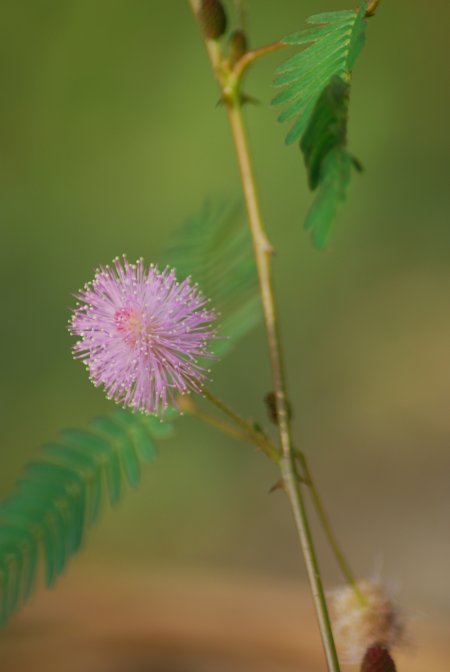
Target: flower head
<point>357,626</point>
<point>142,333</point>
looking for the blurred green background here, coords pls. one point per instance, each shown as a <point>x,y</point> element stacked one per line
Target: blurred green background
<point>109,137</point>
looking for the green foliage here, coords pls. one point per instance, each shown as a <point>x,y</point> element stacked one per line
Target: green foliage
<point>214,247</point>
<point>316,87</point>
<point>327,161</point>
<point>59,496</point>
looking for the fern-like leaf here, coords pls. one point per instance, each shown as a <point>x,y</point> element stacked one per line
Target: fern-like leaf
<point>337,39</point>
<point>214,247</point>
<point>316,85</point>
<point>59,496</point>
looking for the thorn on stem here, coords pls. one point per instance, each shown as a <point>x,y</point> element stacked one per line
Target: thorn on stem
<point>246,99</point>
<point>279,485</point>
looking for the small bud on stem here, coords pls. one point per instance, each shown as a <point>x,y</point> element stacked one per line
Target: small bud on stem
<point>238,46</point>
<point>212,19</point>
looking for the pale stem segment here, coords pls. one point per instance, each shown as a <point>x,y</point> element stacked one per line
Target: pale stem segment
<point>263,252</point>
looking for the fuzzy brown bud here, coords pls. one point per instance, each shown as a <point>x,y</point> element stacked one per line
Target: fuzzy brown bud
<point>212,18</point>
<point>238,45</point>
<point>378,659</point>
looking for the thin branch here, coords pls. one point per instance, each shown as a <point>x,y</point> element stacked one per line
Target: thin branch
<point>327,528</point>
<point>253,435</point>
<point>187,405</point>
<point>253,55</point>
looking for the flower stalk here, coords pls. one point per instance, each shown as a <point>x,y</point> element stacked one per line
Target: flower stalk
<point>247,428</point>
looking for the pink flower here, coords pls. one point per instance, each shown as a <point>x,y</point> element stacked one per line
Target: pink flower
<point>142,334</point>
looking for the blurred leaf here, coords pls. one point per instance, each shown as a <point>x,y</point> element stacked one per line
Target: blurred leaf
<point>316,91</point>
<point>215,248</point>
<point>60,496</point>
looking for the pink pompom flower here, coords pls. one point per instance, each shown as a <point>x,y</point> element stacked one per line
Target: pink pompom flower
<point>142,334</point>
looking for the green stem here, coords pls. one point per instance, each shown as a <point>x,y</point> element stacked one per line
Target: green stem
<point>187,405</point>
<point>263,253</point>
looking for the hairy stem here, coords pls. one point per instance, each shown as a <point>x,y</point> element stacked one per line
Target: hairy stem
<point>263,253</point>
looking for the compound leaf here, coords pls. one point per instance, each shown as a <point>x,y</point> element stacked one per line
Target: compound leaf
<point>315,93</point>
<point>60,496</point>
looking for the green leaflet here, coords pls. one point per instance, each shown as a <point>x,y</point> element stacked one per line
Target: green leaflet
<point>327,128</point>
<point>59,496</point>
<point>331,194</point>
<point>214,247</point>
<point>327,161</point>
<point>315,91</point>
